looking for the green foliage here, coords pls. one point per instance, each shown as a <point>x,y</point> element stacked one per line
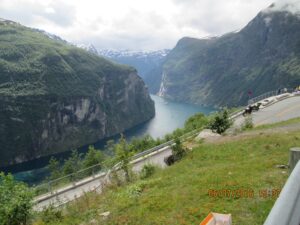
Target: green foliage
<point>220,122</point>
<point>147,171</point>
<point>92,157</point>
<point>134,190</point>
<point>54,168</point>
<point>15,201</point>
<point>178,150</point>
<point>248,123</point>
<point>51,215</point>
<point>73,163</point>
<point>143,143</point>
<point>195,122</point>
<point>122,156</point>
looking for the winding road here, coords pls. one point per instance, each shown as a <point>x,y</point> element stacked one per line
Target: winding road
<point>96,182</point>
<point>279,109</point>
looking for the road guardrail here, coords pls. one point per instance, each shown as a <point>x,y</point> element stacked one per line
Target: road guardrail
<point>286,210</point>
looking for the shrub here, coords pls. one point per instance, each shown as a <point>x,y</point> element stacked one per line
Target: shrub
<point>178,150</point>
<point>147,171</point>
<point>122,155</point>
<point>248,123</point>
<point>196,121</point>
<point>51,214</point>
<point>73,163</point>
<point>220,122</point>
<point>54,168</point>
<point>15,201</point>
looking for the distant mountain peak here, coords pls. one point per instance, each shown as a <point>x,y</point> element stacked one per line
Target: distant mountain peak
<point>90,48</point>
<point>292,6</point>
<point>5,21</point>
<point>110,53</point>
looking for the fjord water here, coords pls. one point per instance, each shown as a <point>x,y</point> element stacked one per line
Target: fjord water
<point>169,116</point>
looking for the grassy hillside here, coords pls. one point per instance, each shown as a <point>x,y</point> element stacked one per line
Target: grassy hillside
<point>180,194</point>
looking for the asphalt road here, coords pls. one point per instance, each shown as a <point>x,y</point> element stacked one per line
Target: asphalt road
<point>280,111</point>
<point>97,182</point>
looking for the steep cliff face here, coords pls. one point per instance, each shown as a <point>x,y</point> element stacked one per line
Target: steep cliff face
<point>263,56</point>
<point>55,97</point>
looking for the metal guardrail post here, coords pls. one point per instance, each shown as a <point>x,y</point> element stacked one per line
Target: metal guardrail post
<point>294,157</point>
<point>286,210</point>
<point>267,95</point>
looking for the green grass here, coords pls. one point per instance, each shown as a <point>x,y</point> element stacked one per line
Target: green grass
<point>279,124</point>
<point>179,194</point>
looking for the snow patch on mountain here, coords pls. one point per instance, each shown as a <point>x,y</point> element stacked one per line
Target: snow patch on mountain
<point>90,48</point>
<point>109,53</point>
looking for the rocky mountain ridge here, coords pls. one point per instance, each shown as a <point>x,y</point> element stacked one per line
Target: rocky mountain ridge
<point>220,71</point>
<point>56,97</point>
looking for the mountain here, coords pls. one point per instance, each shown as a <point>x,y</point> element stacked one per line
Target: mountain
<point>219,71</point>
<point>55,97</point>
<point>146,63</point>
<point>90,48</point>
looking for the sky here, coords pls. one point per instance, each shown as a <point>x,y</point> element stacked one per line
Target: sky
<point>132,24</point>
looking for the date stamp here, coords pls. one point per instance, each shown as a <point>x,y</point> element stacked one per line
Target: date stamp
<point>244,193</point>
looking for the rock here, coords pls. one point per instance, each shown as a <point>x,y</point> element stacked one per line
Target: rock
<point>282,166</point>
<point>105,214</point>
<point>207,133</point>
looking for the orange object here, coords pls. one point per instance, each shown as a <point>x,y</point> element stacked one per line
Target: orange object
<point>217,219</point>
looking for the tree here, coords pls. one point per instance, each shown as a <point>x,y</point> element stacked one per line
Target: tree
<point>141,144</point>
<point>16,201</point>
<point>73,163</point>
<point>110,146</point>
<point>54,168</point>
<point>93,157</point>
<point>122,155</point>
<point>220,122</point>
<point>196,121</point>
<point>178,150</point>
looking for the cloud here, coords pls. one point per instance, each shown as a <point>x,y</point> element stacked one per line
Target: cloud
<point>292,6</point>
<point>33,12</point>
<point>132,24</point>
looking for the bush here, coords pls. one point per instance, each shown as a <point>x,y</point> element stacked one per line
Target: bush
<point>178,150</point>
<point>51,214</point>
<point>93,157</point>
<point>54,168</point>
<point>248,123</point>
<point>15,201</point>
<point>196,121</point>
<point>73,163</point>
<point>122,155</point>
<point>147,171</point>
<point>220,122</point>
<point>134,190</point>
